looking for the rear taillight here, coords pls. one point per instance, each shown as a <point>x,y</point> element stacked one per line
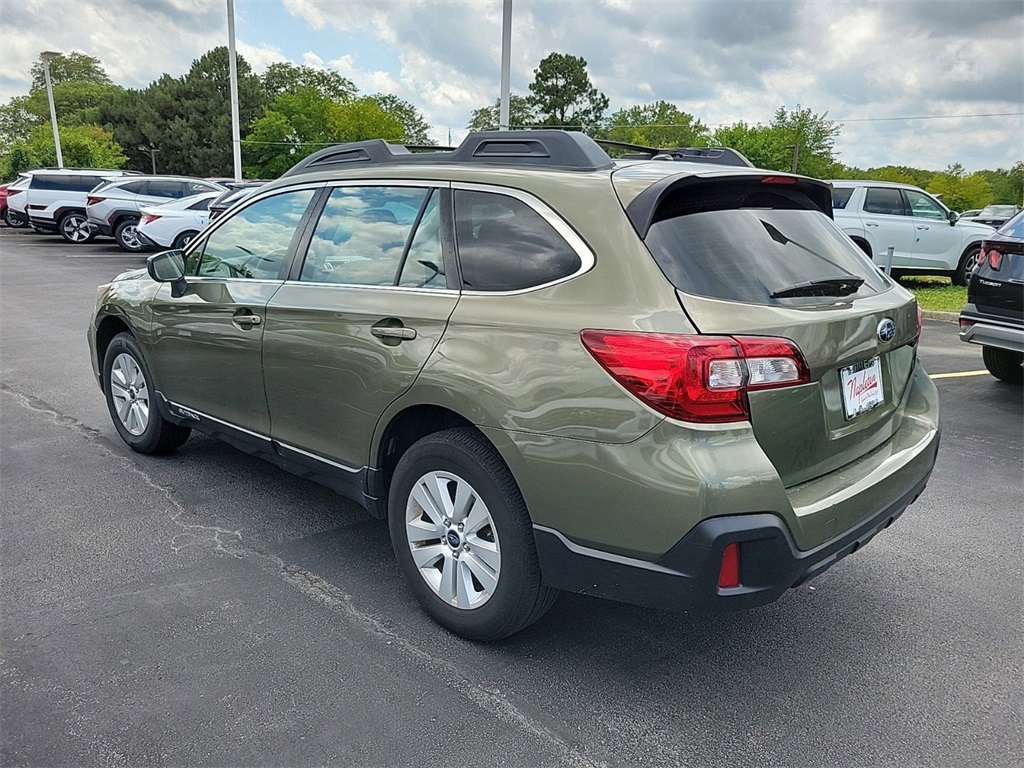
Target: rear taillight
<point>697,378</point>
<point>149,218</point>
<point>920,322</point>
<point>778,180</point>
<point>729,572</point>
<point>94,200</point>
<point>995,259</point>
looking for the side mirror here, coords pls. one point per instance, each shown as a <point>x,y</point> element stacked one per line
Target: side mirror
<point>954,217</point>
<point>168,267</point>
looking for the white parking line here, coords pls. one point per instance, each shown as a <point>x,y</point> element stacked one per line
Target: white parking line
<point>103,256</point>
<point>957,375</point>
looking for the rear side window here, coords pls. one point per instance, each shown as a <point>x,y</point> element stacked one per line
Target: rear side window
<point>200,205</point>
<point>172,190</point>
<point>134,187</point>
<point>505,245</point>
<point>744,241</point>
<point>883,200</point>
<point>362,235</point>
<point>65,183</point>
<point>840,197</point>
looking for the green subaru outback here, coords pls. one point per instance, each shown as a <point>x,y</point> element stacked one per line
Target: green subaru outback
<point>667,379</point>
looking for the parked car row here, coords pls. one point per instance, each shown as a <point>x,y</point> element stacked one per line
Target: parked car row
<point>83,203</point>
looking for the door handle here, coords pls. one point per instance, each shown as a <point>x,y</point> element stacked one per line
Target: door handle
<point>388,332</point>
<point>247,321</point>
<point>870,224</point>
<point>922,226</point>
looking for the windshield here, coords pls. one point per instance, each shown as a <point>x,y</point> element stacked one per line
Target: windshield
<point>748,253</point>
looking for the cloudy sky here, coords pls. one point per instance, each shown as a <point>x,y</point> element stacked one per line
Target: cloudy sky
<point>956,66</point>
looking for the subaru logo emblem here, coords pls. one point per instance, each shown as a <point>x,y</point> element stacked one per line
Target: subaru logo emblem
<point>886,330</point>
<point>453,539</point>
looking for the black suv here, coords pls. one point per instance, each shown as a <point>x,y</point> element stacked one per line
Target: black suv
<point>994,315</point>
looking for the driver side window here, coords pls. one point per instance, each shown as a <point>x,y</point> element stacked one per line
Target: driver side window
<point>253,243</point>
<point>923,207</point>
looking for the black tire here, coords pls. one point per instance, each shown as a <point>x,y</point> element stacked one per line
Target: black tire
<point>965,268</point>
<point>74,228</point>
<point>15,220</point>
<point>127,236</point>
<point>184,239</point>
<point>156,435</point>
<point>1004,364</point>
<point>518,597</point>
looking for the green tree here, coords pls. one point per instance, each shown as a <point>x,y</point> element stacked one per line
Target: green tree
<point>564,96</point>
<point>82,146</point>
<point>1007,184</point>
<point>960,190</point>
<point>660,124</point>
<point>521,114</point>
<point>16,121</point>
<point>771,146</point>
<point>285,76</point>
<point>296,123</point>
<point>363,119</point>
<point>413,123</point>
<point>16,160</point>
<point>188,119</point>
<point>69,67</point>
<point>76,103</point>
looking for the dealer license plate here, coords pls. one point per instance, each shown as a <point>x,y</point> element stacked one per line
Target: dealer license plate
<point>862,386</point>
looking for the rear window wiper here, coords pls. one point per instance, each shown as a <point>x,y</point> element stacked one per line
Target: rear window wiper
<point>830,286</point>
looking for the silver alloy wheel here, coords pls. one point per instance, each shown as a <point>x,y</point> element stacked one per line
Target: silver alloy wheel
<point>130,393</point>
<point>453,540</point>
<point>129,237</point>
<point>75,228</point>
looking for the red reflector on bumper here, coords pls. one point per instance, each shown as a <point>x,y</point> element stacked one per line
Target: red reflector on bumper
<point>729,573</point>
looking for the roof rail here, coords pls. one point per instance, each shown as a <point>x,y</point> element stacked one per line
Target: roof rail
<point>710,155</point>
<point>563,150</point>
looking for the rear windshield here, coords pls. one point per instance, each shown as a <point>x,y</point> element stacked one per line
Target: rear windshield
<point>1014,227</point>
<point>744,242</point>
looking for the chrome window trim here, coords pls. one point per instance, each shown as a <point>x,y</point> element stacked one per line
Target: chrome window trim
<point>399,288</point>
<point>567,233</point>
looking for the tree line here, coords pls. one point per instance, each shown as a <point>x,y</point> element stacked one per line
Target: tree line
<point>184,125</point>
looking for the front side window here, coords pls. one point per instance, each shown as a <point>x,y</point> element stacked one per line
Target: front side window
<point>883,200</point>
<point>253,243</point>
<point>505,245</point>
<point>362,235</point>
<point>924,207</point>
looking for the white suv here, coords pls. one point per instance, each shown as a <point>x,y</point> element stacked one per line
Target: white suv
<point>114,208</point>
<point>54,200</point>
<point>927,237</point>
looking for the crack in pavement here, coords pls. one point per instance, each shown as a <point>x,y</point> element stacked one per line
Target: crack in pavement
<point>489,698</point>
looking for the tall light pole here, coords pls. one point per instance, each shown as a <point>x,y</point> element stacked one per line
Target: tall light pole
<point>152,155</point>
<point>46,56</point>
<point>506,58</point>
<point>236,139</point>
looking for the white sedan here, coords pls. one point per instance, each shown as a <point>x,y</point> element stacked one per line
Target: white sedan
<point>174,224</point>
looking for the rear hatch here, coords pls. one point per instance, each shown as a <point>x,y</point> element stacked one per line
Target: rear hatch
<point>997,287</point>
<point>759,255</point>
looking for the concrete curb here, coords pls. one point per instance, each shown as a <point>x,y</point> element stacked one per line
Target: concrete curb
<point>949,317</point>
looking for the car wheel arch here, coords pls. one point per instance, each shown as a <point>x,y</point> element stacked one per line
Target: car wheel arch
<point>109,327</point>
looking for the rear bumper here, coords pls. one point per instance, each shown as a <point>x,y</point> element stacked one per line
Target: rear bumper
<point>686,578</point>
<point>990,331</point>
<point>101,227</point>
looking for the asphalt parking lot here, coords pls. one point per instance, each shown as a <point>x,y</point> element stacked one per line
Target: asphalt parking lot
<point>209,609</point>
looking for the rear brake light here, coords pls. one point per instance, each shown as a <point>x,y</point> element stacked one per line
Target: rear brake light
<point>778,180</point>
<point>920,322</point>
<point>703,379</point>
<point>729,572</point>
<point>94,200</point>
<point>995,259</point>
<point>966,324</point>
<point>149,218</point>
